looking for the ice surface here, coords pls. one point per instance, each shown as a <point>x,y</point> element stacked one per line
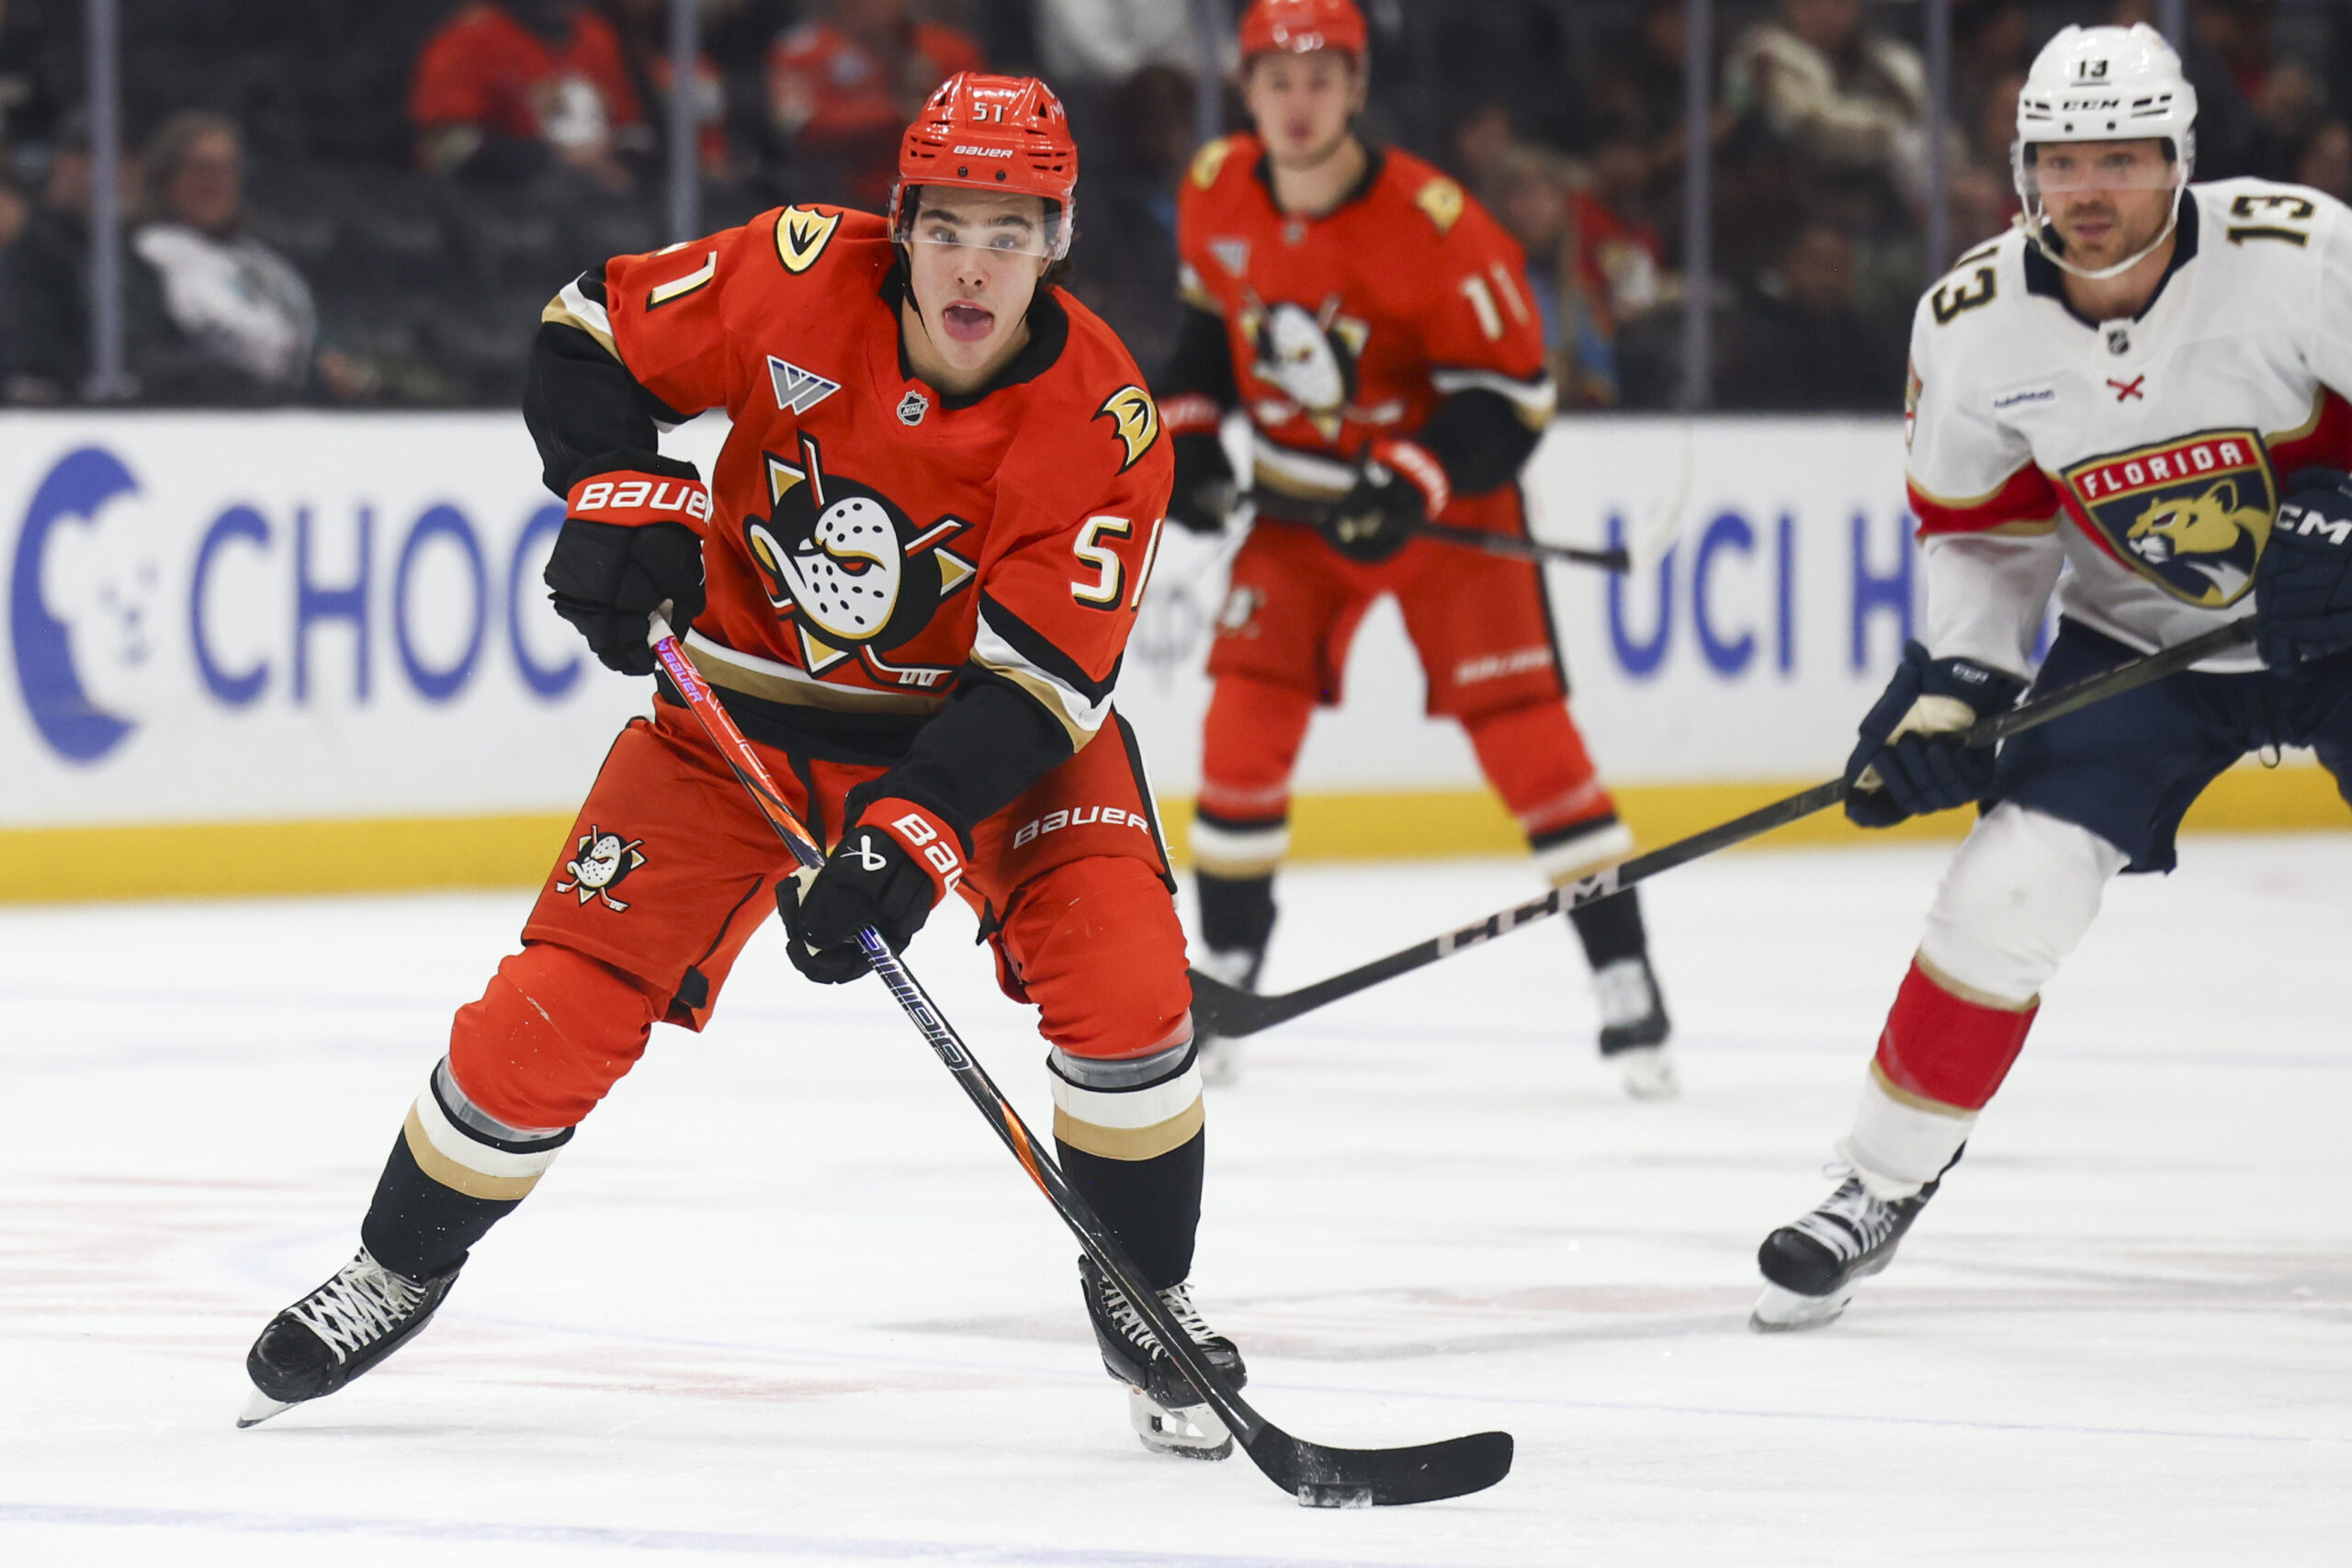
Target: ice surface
<point>785,1297</point>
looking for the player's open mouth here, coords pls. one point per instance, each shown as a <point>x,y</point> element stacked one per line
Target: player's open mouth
<point>967,322</point>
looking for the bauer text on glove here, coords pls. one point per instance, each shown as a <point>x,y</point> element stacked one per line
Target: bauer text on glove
<point>629,544</point>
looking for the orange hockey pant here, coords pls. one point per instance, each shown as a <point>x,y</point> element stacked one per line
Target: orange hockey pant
<point>1483,629</point>
<point>1069,881</point>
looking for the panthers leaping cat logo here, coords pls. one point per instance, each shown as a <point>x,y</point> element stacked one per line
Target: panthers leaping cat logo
<point>2209,534</point>
<point>2190,515</point>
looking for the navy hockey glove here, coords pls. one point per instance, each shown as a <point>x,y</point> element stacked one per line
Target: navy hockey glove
<point>1400,489</point>
<point>2302,585</point>
<point>1205,494</point>
<point>1910,761</point>
<point>889,869</point>
<point>629,545</point>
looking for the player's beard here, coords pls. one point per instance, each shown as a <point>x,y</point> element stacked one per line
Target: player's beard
<point>2123,239</point>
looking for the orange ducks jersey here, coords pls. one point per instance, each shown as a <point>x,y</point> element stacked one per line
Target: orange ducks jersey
<point>1355,326</point>
<point>874,545</point>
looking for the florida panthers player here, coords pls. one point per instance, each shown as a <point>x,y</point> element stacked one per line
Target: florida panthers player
<point>1377,325</point>
<point>910,580</point>
<point>2143,384</point>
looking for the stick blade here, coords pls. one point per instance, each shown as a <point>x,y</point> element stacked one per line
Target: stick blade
<point>1220,1009</point>
<point>1381,1478</point>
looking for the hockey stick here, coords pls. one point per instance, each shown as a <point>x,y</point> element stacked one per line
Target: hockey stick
<point>1317,1476</point>
<point>1220,1009</point>
<point>1615,558</point>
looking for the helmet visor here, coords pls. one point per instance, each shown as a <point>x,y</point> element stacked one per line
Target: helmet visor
<point>2068,167</point>
<point>981,221</point>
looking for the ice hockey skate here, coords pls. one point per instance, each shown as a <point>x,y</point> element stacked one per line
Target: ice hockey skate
<point>1221,1055</point>
<point>1812,1266</point>
<point>336,1333</point>
<point>1634,1030</point>
<point>1168,1416</point>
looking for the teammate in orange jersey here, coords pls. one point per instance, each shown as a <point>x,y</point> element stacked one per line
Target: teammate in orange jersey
<point>1377,324</point>
<point>910,578</point>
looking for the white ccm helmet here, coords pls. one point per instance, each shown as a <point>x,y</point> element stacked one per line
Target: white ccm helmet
<point>2104,84</point>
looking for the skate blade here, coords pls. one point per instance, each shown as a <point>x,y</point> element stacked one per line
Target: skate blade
<point>260,1408</point>
<point>1190,1431</point>
<point>1782,1311</point>
<point>1648,1072</point>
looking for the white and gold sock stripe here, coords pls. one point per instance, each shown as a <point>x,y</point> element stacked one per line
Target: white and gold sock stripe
<point>1240,853</point>
<point>1137,1108</point>
<point>1577,854</point>
<point>463,1147</point>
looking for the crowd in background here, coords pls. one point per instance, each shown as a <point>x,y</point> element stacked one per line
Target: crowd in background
<point>366,206</point>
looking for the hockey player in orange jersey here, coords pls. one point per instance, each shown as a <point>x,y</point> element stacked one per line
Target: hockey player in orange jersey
<point>1376,325</point>
<point>910,578</point>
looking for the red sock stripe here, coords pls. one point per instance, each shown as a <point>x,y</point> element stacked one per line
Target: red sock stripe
<point>1946,1049</point>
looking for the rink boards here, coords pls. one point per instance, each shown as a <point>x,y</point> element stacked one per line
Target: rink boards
<point>261,652</point>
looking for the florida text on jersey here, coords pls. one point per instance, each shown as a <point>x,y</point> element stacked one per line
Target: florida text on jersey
<point>2146,454</point>
<point>875,545</point>
<point>1352,326</point>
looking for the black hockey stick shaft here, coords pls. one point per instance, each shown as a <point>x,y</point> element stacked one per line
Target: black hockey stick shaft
<point>1314,1475</point>
<point>1288,508</point>
<point>1220,1009</point>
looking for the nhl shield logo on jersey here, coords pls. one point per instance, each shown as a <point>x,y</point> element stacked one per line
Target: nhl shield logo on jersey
<point>599,863</point>
<point>2190,515</point>
<point>849,568</point>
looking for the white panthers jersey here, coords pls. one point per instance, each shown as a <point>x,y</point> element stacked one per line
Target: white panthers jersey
<point>2145,454</point>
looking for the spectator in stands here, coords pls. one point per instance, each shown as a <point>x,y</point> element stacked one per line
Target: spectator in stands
<point>843,86</point>
<point>1619,256</point>
<point>1638,86</point>
<point>1107,42</point>
<point>507,87</point>
<point>245,317</point>
<point>1592,261</point>
<point>644,29</point>
<point>2226,57</point>
<point>1991,39</point>
<point>2325,160</point>
<point>47,284</point>
<point>1483,146</point>
<point>1850,98</point>
<point>1125,255</point>
<point>1802,341</point>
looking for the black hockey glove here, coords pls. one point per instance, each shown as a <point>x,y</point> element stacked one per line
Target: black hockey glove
<point>1910,761</point>
<point>888,872</point>
<point>626,546</point>
<point>2302,585</point>
<point>1205,493</point>
<point>1401,487</point>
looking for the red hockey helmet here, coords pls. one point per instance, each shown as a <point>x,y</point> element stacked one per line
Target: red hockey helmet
<point>1297,26</point>
<point>992,134</point>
